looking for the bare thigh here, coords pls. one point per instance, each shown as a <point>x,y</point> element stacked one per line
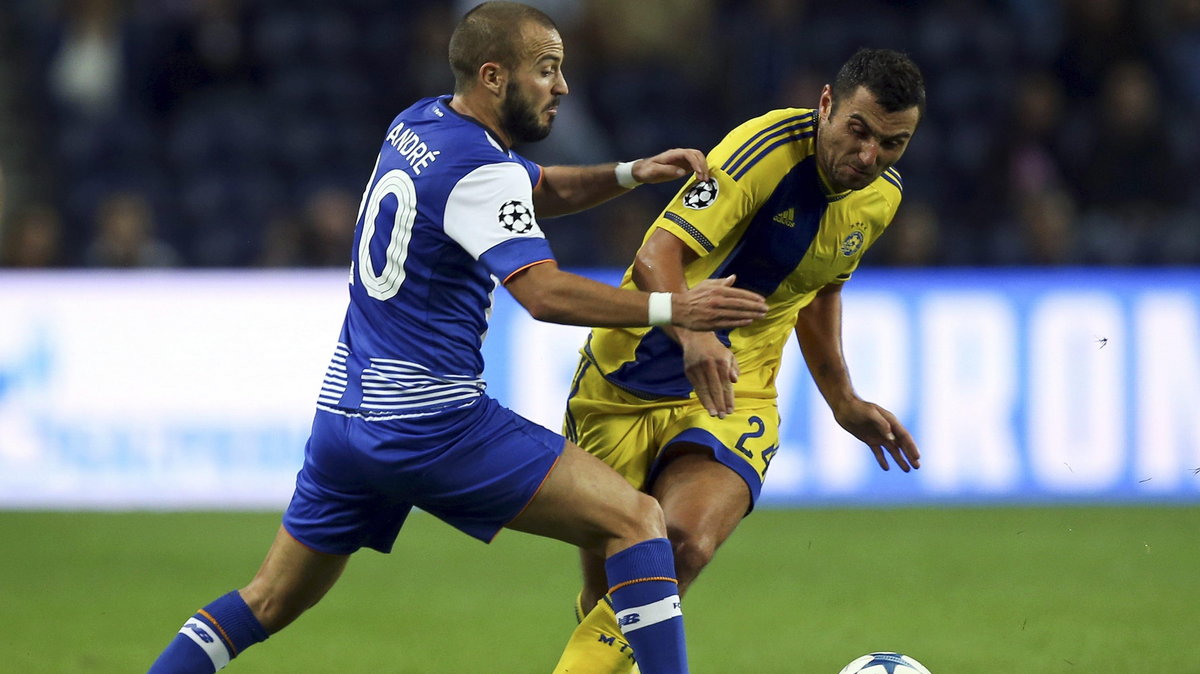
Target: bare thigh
<point>586,503</point>
<point>703,502</point>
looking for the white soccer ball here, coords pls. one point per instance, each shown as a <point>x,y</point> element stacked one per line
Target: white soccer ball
<point>884,662</point>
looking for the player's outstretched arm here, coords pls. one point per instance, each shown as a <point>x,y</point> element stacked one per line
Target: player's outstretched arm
<point>555,296</point>
<point>570,189</point>
<point>819,331</point>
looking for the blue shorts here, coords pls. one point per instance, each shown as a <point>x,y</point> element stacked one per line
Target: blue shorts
<point>474,467</point>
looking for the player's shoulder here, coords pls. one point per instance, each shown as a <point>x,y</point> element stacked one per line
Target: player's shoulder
<point>435,120</point>
<point>882,197</point>
<point>777,119</point>
<point>782,136</point>
<point>889,185</point>
<point>783,123</point>
<point>441,146</point>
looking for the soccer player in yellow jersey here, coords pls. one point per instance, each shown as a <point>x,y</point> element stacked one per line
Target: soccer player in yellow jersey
<point>794,199</point>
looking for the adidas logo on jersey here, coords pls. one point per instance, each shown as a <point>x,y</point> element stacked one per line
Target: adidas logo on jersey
<point>786,218</point>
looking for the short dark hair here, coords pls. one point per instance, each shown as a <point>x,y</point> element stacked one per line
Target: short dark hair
<point>490,32</point>
<point>889,75</point>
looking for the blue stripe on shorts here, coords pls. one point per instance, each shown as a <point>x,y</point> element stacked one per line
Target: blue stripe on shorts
<point>721,453</point>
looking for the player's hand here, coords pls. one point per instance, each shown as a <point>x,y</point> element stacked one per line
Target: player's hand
<point>712,369</point>
<point>881,431</point>
<point>713,304</point>
<point>671,165</point>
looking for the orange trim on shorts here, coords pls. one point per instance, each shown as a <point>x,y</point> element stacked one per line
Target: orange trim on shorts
<point>530,501</point>
<point>224,637</point>
<point>518,271</point>
<point>627,583</point>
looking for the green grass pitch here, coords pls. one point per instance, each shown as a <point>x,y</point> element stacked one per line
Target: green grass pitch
<point>966,591</point>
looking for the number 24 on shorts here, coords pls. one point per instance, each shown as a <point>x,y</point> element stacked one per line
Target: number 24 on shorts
<point>757,428</point>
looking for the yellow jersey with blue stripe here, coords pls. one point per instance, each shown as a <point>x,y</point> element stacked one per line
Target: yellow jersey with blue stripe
<point>768,215</point>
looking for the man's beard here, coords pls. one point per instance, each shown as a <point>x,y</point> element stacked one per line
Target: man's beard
<point>519,119</point>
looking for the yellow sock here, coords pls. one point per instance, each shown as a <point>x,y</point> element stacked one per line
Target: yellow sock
<point>597,645</point>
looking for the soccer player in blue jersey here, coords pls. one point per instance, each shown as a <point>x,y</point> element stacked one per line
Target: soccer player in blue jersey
<point>793,200</point>
<point>402,417</point>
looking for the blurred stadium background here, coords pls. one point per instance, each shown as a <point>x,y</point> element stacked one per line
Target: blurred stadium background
<point>178,185</point>
<point>235,133</point>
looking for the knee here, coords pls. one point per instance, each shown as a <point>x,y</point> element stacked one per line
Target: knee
<point>641,520</point>
<point>693,552</point>
<point>647,519</point>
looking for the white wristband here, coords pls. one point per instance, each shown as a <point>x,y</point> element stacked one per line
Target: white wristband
<point>660,309</point>
<point>625,175</point>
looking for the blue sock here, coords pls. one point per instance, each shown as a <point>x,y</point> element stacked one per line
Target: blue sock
<point>645,597</point>
<point>211,638</point>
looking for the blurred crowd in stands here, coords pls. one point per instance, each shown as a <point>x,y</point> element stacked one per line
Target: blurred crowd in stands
<point>236,133</point>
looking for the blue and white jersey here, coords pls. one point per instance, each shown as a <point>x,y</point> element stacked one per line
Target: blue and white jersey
<point>447,213</point>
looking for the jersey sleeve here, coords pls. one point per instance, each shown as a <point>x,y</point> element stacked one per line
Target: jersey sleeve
<point>489,212</point>
<point>534,170</point>
<point>704,212</point>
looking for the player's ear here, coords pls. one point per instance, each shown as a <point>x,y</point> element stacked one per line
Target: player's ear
<point>825,106</point>
<point>493,77</point>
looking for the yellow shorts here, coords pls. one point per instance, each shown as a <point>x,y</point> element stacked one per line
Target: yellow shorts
<point>631,433</point>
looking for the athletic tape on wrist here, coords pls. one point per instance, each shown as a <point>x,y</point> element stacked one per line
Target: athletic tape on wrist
<point>625,177</point>
<point>660,309</point>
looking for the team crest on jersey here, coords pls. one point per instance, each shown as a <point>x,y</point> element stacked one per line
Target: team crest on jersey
<point>852,243</point>
<point>516,217</point>
<point>701,195</point>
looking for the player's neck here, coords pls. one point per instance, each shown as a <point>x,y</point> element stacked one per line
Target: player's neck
<point>478,110</point>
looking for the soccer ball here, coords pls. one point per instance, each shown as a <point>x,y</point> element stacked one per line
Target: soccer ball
<point>884,662</point>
